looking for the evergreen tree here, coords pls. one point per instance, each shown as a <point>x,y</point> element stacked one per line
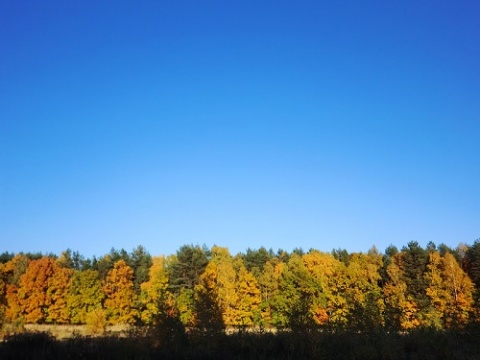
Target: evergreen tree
<point>255,260</point>
<point>186,268</point>
<point>413,263</point>
<point>140,261</point>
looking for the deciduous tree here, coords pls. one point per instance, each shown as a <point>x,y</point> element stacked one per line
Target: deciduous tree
<point>120,294</point>
<point>155,297</point>
<point>85,295</point>
<point>42,292</point>
<point>247,307</point>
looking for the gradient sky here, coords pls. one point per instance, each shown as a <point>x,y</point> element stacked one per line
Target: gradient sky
<point>324,124</point>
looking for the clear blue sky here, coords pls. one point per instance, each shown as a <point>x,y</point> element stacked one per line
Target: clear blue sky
<point>324,124</point>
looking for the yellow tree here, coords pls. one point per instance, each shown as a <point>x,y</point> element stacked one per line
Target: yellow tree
<point>185,304</point>
<point>155,297</point>
<point>401,309</point>
<point>85,295</point>
<point>217,289</point>
<point>56,296</point>
<point>3,288</point>
<point>438,295</point>
<point>460,287</point>
<point>120,295</point>
<point>330,276</point>
<point>221,276</point>
<point>247,307</point>
<point>363,292</point>
<point>12,271</point>
<point>209,314</point>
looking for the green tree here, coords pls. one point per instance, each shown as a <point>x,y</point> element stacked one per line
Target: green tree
<point>363,293</point>
<point>299,296</point>
<point>472,263</point>
<point>186,267</point>
<point>268,283</point>
<point>184,270</point>
<point>140,261</point>
<point>73,260</point>
<point>255,260</point>
<point>413,262</point>
<point>104,264</point>
<point>85,295</point>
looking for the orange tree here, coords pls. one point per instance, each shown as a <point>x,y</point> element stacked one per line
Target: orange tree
<point>42,291</point>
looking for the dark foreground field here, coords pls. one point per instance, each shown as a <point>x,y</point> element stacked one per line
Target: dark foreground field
<point>282,345</point>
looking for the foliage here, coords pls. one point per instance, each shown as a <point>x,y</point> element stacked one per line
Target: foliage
<point>3,299</point>
<point>120,296</point>
<point>96,321</point>
<point>255,260</point>
<point>209,290</point>
<point>185,271</point>
<point>155,298</point>
<point>84,296</point>
<point>140,261</point>
<point>42,292</point>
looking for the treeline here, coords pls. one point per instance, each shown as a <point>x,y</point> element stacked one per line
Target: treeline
<point>205,289</point>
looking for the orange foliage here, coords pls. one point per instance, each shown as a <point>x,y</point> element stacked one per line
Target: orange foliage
<point>120,294</point>
<point>42,291</point>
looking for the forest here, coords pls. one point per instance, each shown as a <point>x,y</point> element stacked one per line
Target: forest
<point>209,292</point>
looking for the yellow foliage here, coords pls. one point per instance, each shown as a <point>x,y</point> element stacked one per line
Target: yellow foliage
<point>120,295</point>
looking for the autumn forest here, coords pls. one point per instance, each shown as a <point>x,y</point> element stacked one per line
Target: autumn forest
<point>212,290</point>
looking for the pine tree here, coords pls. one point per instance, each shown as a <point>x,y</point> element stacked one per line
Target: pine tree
<point>140,261</point>
<point>186,268</point>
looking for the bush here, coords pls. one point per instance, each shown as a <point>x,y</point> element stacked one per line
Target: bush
<point>96,322</point>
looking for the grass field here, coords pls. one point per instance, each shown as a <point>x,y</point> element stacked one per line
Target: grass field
<point>61,332</point>
<point>161,344</point>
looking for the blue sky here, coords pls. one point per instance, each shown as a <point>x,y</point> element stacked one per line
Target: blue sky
<point>324,124</point>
